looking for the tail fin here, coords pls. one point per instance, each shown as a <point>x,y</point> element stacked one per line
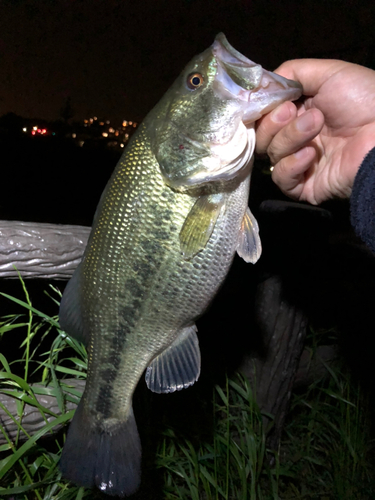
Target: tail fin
<point>106,456</point>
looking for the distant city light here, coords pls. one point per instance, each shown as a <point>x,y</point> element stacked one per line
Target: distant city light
<point>114,134</point>
<point>115,137</point>
<point>36,130</point>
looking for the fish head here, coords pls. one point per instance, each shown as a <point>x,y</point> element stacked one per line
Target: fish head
<point>203,128</point>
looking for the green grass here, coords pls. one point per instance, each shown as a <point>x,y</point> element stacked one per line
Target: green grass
<point>28,468</point>
<point>234,464</point>
<point>326,451</point>
<point>328,443</point>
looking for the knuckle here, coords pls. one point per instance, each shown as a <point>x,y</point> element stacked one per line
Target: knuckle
<point>283,144</point>
<point>274,153</point>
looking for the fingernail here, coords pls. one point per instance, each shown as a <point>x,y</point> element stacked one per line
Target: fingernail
<point>305,122</point>
<point>301,153</point>
<point>281,114</point>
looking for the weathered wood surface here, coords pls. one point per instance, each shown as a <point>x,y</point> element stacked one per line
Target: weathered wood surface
<point>292,238</point>
<point>294,231</point>
<point>310,368</point>
<point>39,250</point>
<point>32,419</point>
<point>272,370</point>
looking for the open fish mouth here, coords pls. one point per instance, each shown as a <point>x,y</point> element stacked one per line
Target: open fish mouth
<point>231,93</point>
<point>258,90</point>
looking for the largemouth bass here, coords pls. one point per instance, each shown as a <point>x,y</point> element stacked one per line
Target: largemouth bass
<point>166,230</point>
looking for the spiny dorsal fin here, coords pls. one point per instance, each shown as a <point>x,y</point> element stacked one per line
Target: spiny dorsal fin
<point>249,246</point>
<point>200,223</point>
<point>178,367</point>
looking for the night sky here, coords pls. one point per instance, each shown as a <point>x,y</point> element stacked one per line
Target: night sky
<point>115,59</point>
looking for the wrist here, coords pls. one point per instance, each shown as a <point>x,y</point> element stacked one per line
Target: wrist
<point>362,200</point>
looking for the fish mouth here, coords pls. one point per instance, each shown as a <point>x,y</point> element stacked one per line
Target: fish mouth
<point>259,91</point>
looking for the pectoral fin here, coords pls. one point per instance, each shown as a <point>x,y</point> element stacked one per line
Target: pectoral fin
<point>178,367</point>
<point>200,223</point>
<point>249,245</point>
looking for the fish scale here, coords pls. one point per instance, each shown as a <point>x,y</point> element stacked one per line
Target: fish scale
<point>164,235</point>
<point>165,281</point>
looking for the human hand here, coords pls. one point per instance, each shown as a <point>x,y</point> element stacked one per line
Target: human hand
<point>317,146</point>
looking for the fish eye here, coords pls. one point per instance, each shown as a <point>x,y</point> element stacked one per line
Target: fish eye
<point>194,81</point>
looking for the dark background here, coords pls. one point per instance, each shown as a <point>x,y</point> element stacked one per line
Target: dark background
<point>115,59</point>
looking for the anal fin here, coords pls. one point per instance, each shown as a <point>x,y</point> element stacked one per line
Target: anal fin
<point>178,367</point>
<point>249,246</point>
<point>200,223</point>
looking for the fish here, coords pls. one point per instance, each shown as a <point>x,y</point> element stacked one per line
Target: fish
<point>164,235</point>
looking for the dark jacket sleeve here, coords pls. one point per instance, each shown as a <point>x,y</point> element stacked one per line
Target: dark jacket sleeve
<point>362,201</point>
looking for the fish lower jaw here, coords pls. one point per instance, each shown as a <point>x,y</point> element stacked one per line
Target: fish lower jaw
<point>235,147</point>
<point>227,161</point>
<point>237,153</point>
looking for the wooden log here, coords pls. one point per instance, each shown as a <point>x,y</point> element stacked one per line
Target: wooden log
<point>313,364</point>
<point>37,250</point>
<point>310,368</point>
<point>294,232</point>
<point>292,237</point>
<point>272,371</point>
<point>32,419</point>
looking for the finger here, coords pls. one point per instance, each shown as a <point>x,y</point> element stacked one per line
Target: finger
<point>289,173</point>
<point>311,73</point>
<point>295,135</point>
<point>268,126</point>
